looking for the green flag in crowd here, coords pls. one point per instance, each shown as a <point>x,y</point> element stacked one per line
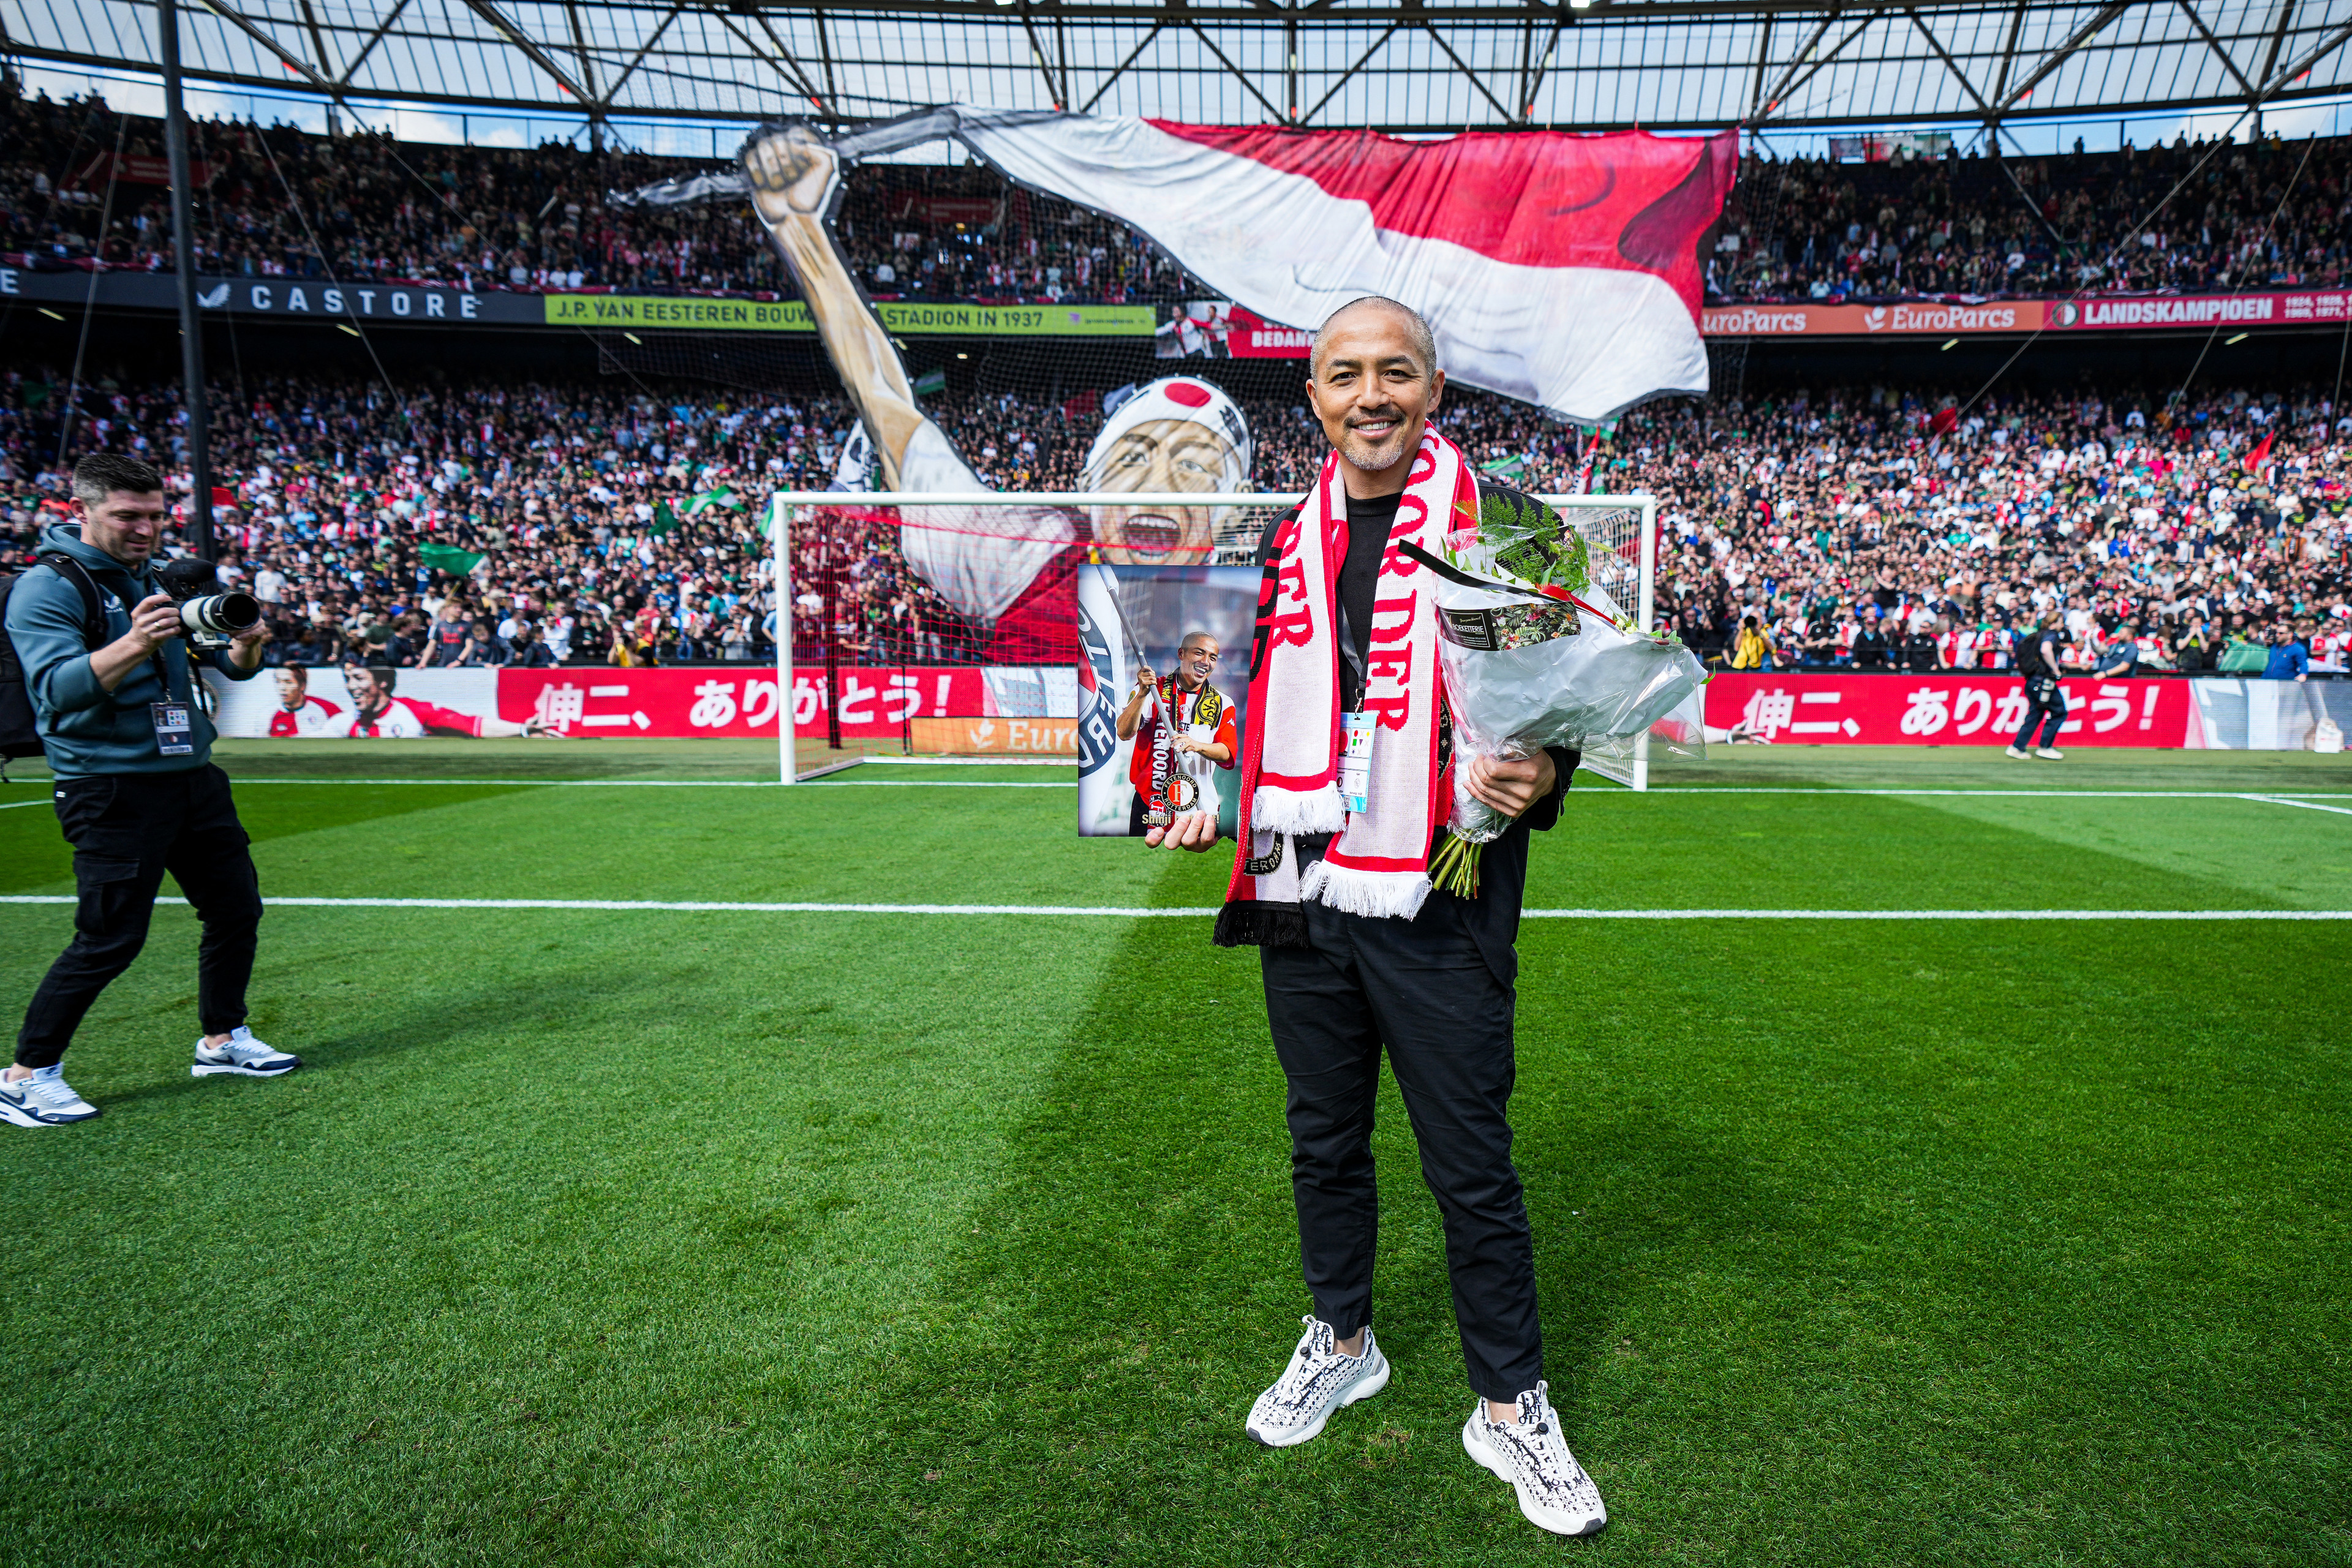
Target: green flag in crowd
<point>1505,468</point>
<point>930,383</point>
<point>664,519</point>
<point>697,505</point>
<point>449,558</point>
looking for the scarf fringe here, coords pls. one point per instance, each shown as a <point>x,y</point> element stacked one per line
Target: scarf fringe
<point>1373,894</point>
<point>1276,810</point>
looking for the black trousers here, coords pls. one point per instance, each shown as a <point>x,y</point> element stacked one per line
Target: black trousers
<point>127,831</point>
<point>1423,989</point>
<point>2045,705</point>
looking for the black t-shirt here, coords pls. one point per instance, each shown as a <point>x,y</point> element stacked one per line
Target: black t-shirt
<point>1368,523</point>
<point>2042,657</point>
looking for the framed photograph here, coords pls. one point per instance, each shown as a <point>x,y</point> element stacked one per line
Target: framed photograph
<point>1163,694</point>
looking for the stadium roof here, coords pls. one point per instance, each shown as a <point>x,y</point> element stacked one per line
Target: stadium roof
<point>1399,65</point>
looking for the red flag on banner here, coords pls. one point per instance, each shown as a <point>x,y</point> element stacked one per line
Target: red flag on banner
<point>224,495</point>
<point>2260,455</point>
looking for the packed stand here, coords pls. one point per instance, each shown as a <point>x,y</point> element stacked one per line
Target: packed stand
<point>620,527</point>
<point>2265,214</point>
<point>1962,226</point>
<point>1854,528</point>
<point>282,202</point>
<point>1867,528</point>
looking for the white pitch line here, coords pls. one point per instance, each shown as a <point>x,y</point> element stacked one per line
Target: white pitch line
<point>676,783</point>
<point>13,804</point>
<point>2019,794</point>
<point>2305,805</point>
<point>2275,797</point>
<point>1936,914</point>
<point>950,783</point>
<point>1040,762</point>
<point>686,906</point>
<point>1111,911</point>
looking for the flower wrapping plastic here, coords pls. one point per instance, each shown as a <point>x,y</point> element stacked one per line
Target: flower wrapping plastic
<point>1535,653</point>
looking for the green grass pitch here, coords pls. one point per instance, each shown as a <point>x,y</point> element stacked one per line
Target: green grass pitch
<point>645,1237</point>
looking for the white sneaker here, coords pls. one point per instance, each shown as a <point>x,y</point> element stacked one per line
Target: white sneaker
<point>2019,752</point>
<point>1554,1491</point>
<point>1319,1379</point>
<point>43,1099</point>
<point>2050,754</point>
<point>243,1054</point>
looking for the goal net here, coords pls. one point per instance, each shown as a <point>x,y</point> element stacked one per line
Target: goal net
<point>920,597</point>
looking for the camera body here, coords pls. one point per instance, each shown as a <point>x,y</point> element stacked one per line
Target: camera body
<point>211,616</point>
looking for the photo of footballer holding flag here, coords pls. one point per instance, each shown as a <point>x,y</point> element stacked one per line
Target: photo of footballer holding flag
<point>1183,731</point>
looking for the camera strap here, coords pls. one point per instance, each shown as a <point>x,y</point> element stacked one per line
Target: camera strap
<point>93,610</point>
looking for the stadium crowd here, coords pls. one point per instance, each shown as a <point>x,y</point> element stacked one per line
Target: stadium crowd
<point>1854,527</point>
<point>2267,213</point>
<point>277,200</point>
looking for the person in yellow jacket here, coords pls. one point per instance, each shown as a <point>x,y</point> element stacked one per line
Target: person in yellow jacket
<point>1753,649</point>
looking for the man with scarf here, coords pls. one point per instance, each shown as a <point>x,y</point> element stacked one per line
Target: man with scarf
<point>1331,883</point>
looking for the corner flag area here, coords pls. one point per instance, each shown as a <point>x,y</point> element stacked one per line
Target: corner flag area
<point>1935,1159</point>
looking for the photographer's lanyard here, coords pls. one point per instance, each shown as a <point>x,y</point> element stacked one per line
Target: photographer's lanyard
<point>1355,724</point>
<point>176,730</point>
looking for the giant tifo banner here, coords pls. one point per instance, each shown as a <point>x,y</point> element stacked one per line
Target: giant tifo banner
<point>1006,708</point>
<point>1559,269</point>
<point>2213,713</point>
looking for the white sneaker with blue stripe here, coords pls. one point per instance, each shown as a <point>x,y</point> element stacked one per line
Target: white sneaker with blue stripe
<point>243,1054</point>
<point>43,1099</point>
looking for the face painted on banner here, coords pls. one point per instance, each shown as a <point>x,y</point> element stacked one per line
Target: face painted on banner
<point>1177,452</point>
<point>1160,455</point>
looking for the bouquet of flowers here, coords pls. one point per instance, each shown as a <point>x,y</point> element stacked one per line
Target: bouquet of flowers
<point>1536,654</point>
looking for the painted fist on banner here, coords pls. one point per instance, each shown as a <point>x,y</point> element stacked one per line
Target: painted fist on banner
<point>791,171</point>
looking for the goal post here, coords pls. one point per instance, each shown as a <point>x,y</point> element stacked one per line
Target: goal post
<point>1619,530</point>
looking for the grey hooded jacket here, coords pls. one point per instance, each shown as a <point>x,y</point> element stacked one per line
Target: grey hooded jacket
<point>86,728</point>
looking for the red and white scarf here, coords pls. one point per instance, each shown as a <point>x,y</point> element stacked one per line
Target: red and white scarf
<point>1378,864</point>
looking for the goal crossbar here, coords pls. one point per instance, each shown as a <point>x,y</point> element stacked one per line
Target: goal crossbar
<point>784,504</point>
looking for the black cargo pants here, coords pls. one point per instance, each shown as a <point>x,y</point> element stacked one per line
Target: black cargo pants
<point>127,831</point>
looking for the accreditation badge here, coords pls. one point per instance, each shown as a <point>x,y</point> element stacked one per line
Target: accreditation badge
<point>1355,762</point>
<point>175,733</point>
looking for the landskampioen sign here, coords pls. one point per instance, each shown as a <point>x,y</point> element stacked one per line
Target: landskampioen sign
<point>2296,307</point>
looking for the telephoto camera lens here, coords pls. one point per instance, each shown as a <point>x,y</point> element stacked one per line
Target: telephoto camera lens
<point>221,614</point>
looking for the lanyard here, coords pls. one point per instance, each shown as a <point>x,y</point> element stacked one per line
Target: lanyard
<point>162,668</point>
<point>1347,650</point>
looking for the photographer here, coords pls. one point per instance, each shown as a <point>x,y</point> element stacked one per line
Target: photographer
<point>114,701</point>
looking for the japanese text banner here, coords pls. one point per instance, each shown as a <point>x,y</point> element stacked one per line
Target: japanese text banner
<point>1948,708</point>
